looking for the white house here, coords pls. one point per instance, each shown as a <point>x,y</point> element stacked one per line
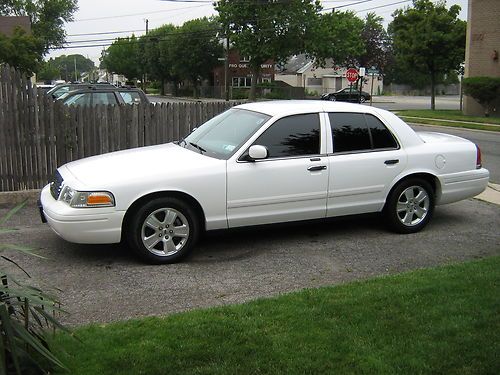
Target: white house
<point>299,71</point>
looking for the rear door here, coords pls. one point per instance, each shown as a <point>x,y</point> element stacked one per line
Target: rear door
<point>366,159</point>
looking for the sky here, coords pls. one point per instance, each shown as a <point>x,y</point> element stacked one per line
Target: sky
<point>100,21</point>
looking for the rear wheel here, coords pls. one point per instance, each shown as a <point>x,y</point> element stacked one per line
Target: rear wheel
<point>362,99</point>
<point>164,230</point>
<point>410,206</point>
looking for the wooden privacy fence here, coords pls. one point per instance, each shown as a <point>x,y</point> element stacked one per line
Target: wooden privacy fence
<point>37,134</point>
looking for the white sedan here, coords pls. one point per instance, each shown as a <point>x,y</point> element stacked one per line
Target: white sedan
<point>262,163</point>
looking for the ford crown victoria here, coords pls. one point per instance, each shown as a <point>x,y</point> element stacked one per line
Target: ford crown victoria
<point>262,163</point>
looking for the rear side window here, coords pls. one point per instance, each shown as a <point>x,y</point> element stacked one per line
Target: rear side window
<point>381,136</point>
<point>356,132</point>
<point>103,98</point>
<point>130,97</point>
<point>297,135</point>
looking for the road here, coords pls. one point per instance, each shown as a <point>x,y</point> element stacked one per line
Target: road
<point>488,142</point>
<point>384,102</point>
<point>106,283</point>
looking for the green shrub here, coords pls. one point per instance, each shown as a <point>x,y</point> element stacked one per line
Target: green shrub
<point>26,315</point>
<point>483,89</point>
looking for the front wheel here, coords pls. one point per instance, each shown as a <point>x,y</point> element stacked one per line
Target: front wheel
<point>163,230</point>
<point>410,206</point>
<point>332,98</point>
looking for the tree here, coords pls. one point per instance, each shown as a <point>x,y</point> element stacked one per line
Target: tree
<point>269,29</point>
<point>196,50</point>
<point>66,65</point>
<point>158,54</point>
<point>338,37</point>
<point>21,51</point>
<point>49,71</point>
<point>376,43</point>
<point>47,18</point>
<point>123,57</point>
<point>429,39</point>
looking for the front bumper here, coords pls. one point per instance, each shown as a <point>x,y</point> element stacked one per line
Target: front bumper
<point>81,225</point>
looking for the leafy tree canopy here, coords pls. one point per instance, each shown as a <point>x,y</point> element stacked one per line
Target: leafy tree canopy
<point>196,50</point>
<point>269,29</point>
<point>47,18</point>
<point>64,67</point>
<point>428,38</point>
<point>123,57</point>
<point>376,43</point>
<point>338,37</point>
<point>21,51</point>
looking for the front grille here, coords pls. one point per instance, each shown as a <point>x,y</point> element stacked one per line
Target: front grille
<point>56,185</point>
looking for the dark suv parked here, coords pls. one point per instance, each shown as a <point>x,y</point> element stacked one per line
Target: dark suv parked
<point>95,95</point>
<point>61,89</point>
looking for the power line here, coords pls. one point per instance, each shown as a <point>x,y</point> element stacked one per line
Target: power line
<point>137,14</point>
<point>383,6</point>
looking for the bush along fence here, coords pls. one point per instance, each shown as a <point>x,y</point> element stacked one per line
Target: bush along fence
<point>37,134</point>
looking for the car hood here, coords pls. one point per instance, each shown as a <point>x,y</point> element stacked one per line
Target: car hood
<point>136,165</point>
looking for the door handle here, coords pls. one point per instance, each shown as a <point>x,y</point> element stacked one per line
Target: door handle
<point>316,168</point>
<point>391,162</point>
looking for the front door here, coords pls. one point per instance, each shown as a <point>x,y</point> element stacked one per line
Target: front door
<point>289,185</point>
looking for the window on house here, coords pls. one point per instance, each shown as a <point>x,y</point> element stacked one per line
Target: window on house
<point>315,82</point>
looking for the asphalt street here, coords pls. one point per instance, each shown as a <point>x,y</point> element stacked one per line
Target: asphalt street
<point>106,283</point>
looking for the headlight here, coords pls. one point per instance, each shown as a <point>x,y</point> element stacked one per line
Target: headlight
<point>84,199</point>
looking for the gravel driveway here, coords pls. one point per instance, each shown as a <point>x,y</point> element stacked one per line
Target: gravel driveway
<point>106,283</point>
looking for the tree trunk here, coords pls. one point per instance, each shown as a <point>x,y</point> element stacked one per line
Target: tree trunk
<point>255,78</point>
<point>162,87</point>
<point>433,91</point>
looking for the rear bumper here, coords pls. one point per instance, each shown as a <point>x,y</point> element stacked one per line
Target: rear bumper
<point>463,185</point>
<point>81,225</point>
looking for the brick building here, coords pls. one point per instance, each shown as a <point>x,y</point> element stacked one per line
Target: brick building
<point>8,24</point>
<point>240,73</point>
<point>482,47</point>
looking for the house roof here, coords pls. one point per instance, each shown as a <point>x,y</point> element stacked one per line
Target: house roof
<point>8,24</point>
<point>299,64</point>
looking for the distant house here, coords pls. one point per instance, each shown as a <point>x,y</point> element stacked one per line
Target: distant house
<point>8,24</point>
<point>300,71</point>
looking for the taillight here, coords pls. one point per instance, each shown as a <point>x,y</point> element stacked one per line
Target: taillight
<point>478,158</point>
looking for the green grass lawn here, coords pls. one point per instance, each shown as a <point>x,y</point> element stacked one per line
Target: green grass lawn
<point>438,321</point>
<point>464,121</point>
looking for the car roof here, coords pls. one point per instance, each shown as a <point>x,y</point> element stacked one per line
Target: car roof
<point>289,107</point>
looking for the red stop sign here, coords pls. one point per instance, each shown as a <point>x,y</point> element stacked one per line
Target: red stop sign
<point>351,75</point>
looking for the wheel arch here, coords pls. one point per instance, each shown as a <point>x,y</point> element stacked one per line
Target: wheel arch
<point>159,194</point>
<point>432,179</point>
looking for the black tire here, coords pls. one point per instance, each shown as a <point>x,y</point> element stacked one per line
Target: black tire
<point>406,215</point>
<point>332,98</point>
<point>172,237</point>
<point>362,99</point>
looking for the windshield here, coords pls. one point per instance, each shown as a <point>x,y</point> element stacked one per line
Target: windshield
<point>221,136</point>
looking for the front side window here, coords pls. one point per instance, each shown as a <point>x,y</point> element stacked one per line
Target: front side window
<point>355,132</point>
<point>223,135</point>
<point>291,136</point>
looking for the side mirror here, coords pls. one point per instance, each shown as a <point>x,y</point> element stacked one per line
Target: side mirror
<point>257,152</point>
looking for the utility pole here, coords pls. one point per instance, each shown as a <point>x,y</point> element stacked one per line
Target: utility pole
<point>226,67</point>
